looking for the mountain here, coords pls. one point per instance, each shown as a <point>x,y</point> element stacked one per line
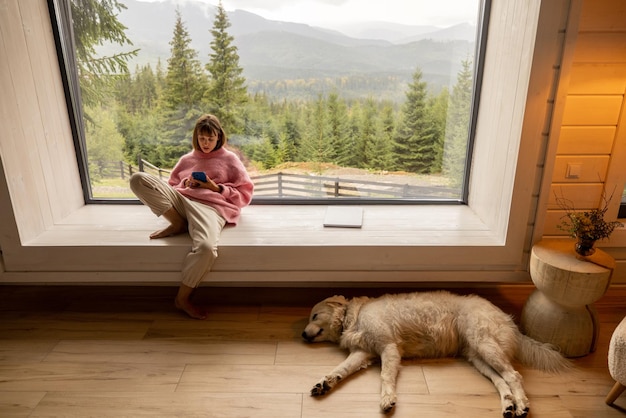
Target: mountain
<point>392,32</point>
<point>273,50</point>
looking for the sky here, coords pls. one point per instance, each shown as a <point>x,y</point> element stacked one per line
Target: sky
<point>331,13</point>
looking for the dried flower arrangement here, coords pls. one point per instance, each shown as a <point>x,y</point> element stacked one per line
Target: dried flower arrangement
<point>586,226</point>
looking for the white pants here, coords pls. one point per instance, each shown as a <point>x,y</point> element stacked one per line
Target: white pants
<point>205,224</point>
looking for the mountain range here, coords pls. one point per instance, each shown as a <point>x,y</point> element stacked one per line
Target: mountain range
<point>271,51</point>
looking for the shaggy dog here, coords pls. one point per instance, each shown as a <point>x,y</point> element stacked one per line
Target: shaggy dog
<point>427,325</point>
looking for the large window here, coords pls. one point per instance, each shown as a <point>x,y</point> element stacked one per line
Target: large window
<point>324,103</point>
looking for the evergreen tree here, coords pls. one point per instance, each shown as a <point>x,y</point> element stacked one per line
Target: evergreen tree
<point>369,135</point>
<point>414,145</point>
<point>438,107</point>
<point>104,143</point>
<point>348,156</point>
<point>160,78</point>
<point>139,91</point>
<point>227,90</point>
<point>457,128</point>
<point>185,84</point>
<point>142,136</point>
<point>146,88</point>
<point>265,153</point>
<point>338,129</point>
<point>138,117</point>
<point>290,144</point>
<point>282,149</point>
<point>315,145</point>
<point>95,23</point>
<point>257,116</point>
<point>381,157</point>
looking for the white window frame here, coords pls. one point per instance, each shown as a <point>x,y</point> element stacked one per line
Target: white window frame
<point>82,154</point>
<point>50,235</point>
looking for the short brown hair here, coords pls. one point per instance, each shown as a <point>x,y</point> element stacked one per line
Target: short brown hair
<point>209,124</point>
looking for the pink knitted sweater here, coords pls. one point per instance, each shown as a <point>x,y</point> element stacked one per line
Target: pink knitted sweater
<point>223,167</point>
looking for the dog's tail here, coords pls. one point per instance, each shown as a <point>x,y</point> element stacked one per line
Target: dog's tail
<point>541,356</point>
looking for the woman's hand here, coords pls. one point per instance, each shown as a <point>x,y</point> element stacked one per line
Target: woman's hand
<point>197,184</point>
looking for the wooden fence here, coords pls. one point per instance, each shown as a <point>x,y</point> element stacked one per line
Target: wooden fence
<point>123,170</point>
<point>115,169</point>
<point>153,169</point>
<point>285,185</point>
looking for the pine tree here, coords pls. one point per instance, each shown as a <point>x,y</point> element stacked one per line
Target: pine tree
<point>282,149</point>
<point>457,129</point>
<point>139,91</point>
<point>227,90</point>
<point>290,146</point>
<point>349,157</point>
<point>338,130</point>
<point>315,145</point>
<point>438,107</point>
<point>381,156</point>
<point>185,84</point>
<point>265,153</point>
<point>414,145</point>
<point>103,141</point>
<point>137,115</point>
<point>160,78</point>
<point>368,134</point>
<point>95,23</point>
<point>146,88</point>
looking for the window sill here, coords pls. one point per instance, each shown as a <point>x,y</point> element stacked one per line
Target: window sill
<point>272,225</point>
<point>273,244</point>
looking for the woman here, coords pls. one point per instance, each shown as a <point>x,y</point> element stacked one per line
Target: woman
<point>206,190</point>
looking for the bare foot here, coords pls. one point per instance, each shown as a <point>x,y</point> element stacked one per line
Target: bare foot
<point>169,231</point>
<point>190,309</point>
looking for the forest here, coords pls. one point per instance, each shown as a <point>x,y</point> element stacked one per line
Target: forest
<point>150,112</point>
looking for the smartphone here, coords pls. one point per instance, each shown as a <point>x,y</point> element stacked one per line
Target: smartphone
<point>199,175</point>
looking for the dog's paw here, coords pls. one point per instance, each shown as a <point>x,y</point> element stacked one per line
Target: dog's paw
<point>508,407</point>
<point>522,412</point>
<point>325,385</point>
<point>515,412</point>
<point>387,402</point>
<point>320,389</point>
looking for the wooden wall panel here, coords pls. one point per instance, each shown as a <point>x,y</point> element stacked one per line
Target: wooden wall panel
<point>602,15</point>
<point>607,47</point>
<point>592,168</point>
<point>594,116</point>
<point>586,140</point>
<point>553,219</point>
<point>597,78</point>
<point>592,110</point>
<point>581,195</point>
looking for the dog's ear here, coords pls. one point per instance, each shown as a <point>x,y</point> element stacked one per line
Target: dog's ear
<point>336,301</point>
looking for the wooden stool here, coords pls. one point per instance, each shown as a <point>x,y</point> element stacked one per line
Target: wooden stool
<point>560,310</point>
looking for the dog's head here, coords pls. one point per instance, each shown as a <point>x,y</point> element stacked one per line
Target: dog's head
<point>325,321</point>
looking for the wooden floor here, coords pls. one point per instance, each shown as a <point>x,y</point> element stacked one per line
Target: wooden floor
<point>125,352</point>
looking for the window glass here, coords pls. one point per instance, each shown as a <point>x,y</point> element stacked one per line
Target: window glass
<point>354,101</point>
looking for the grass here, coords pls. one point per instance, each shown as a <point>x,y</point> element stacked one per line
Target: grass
<point>110,188</point>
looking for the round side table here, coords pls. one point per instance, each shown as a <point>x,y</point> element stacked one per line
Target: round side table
<point>560,310</point>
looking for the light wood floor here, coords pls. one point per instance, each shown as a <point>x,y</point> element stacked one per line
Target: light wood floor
<point>125,352</point>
